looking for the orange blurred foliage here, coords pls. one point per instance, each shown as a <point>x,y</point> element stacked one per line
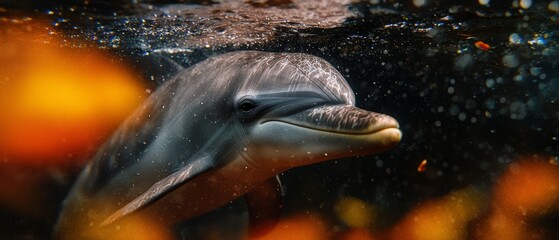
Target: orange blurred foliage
<point>357,234</point>
<point>299,227</point>
<point>57,102</point>
<point>527,190</point>
<point>133,227</point>
<point>445,219</point>
<point>355,212</point>
<point>500,226</point>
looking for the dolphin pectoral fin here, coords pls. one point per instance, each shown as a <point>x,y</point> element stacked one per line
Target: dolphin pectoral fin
<point>265,206</point>
<point>161,187</point>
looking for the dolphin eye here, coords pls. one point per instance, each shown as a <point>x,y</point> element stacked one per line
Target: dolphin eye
<point>247,105</point>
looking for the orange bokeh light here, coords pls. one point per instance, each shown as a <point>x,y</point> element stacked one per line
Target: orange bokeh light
<point>57,102</point>
<point>133,227</point>
<point>500,226</point>
<point>446,218</point>
<point>299,227</point>
<point>358,234</point>
<point>529,187</point>
<point>527,190</point>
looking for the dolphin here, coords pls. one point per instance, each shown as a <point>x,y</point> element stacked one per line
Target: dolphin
<point>219,130</point>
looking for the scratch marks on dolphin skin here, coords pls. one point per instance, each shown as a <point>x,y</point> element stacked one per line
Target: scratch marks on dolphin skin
<point>353,120</point>
<point>316,68</point>
<point>292,68</point>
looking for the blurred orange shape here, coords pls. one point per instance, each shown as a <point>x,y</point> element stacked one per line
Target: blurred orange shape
<point>57,101</point>
<point>299,227</point>
<point>357,234</point>
<point>355,212</point>
<point>501,226</point>
<point>422,166</point>
<point>482,45</point>
<point>445,219</point>
<point>132,228</point>
<point>529,187</point>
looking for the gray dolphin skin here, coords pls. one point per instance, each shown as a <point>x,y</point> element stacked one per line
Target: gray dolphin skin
<point>219,130</point>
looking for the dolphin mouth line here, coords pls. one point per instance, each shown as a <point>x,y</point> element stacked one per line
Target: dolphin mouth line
<point>338,131</point>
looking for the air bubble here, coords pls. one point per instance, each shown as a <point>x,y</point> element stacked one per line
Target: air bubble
<point>515,38</point>
<point>450,90</point>
<point>489,83</point>
<point>511,60</point>
<point>484,2</point>
<point>525,4</point>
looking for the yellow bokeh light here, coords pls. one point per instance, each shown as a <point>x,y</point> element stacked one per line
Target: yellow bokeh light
<point>445,219</point>
<point>57,101</point>
<point>355,212</point>
<point>298,227</point>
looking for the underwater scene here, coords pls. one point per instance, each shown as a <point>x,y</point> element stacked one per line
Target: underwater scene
<point>279,119</point>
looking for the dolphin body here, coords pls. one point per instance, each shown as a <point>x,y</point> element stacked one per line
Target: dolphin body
<point>221,129</point>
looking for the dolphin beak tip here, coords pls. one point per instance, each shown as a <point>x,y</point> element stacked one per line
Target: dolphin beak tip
<point>392,137</point>
<point>391,133</point>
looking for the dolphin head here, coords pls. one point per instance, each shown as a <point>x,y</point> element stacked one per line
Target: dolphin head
<point>297,109</point>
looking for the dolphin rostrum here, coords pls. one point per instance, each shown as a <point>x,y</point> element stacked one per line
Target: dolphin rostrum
<point>221,129</point>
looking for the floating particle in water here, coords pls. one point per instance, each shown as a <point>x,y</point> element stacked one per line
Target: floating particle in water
<point>537,40</point>
<point>454,110</point>
<point>433,32</point>
<point>531,103</point>
<point>515,38</point>
<point>462,116</point>
<point>511,60</point>
<point>450,90</point>
<point>484,2</point>
<point>482,45</point>
<point>419,3</point>
<point>535,71</point>
<point>525,4</point>
<point>422,166</point>
<point>490,103</point>
<point>114,41</point>
<point>489,83</point>
<point>553,6</point>
<point>517,110</point>
<point>464,61</point>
